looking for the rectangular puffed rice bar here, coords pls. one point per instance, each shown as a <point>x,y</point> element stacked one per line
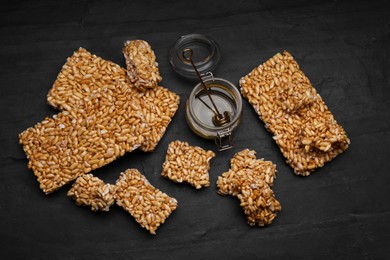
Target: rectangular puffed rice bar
<point>149,206</point>
<point>302,125</point>
<point>186,163</point>
<point>89,190</point>
<point>142,68</point>
<point>103,117</point>
<point>250,180</point>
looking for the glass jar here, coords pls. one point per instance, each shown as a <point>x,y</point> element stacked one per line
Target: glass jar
<point>200,111</point>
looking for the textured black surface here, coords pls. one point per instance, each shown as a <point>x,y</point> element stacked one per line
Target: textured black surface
<point>341,211</point>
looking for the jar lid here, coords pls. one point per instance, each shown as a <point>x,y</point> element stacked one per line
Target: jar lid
<point>206,55</point>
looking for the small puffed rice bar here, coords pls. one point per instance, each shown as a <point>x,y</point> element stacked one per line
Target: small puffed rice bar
<point>103,117</point>
<point>259,203</point>
<point>186,163</point>
<point>250,180</point>
<point>142,68</point>
<point>244,166</point>
<point>89,190</point>
<point>302,125</point>
<point>149,206</point>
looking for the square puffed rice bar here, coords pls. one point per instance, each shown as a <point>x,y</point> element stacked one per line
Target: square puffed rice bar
<point>149,206</point>
<point>186,163</point>
<point>103,117</point>
<point>250,180</point>
<point>89,190</point>
<point>302,125</point>
<point>142,68</point>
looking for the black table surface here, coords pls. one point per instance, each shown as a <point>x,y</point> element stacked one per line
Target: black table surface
<point>341,211</point>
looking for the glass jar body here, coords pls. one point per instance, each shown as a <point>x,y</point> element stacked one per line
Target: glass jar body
<point>200,112</point>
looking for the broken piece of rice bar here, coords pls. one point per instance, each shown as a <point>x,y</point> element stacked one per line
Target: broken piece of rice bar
<point>89,190</point>
<point>142,68</point>
<point>186,163</point>
<point>302,125</point>
<point>244,166</point>
<point>149,206</point>
<point>250,180</point>
<point>259,203</point>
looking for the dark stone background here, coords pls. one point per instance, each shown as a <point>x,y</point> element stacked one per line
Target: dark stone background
<point>341,211</point>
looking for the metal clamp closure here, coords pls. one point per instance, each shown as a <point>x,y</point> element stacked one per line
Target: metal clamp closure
<point>224,139</point>
<point>207,75</point>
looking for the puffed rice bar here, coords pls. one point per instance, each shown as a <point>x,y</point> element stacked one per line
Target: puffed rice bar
<point>302,125</point>
<point>89,190</point>
<point>142,68</point>
<point>103,117</point>
<point>149,206</point>
<point>250,180</point>
<point>259,203</point>
<point>244,166</point>
<point>87,81</point>
<point>186,163</point>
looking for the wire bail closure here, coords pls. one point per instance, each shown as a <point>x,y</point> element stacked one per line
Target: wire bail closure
<point>218,118</point>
